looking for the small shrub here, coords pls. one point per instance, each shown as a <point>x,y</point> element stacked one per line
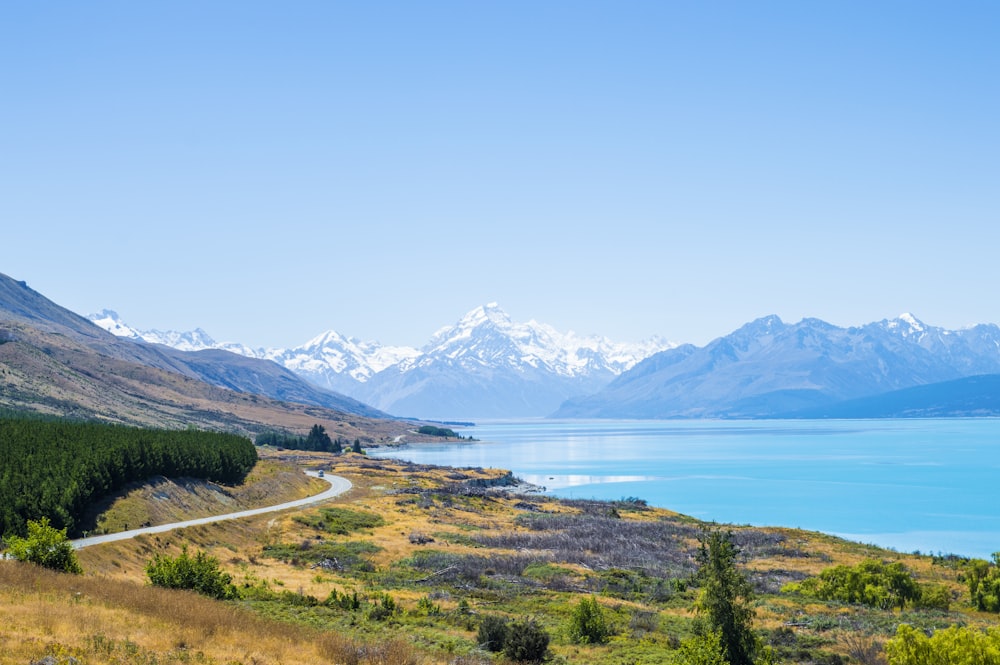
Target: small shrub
<point>934,597</point>
<point>384,607</point>
<point>45,546</point>
<point>428,607</point>
<point>492,633</point>
<point>587,624</point>
<point>200,573</point>
<point>526,642</point>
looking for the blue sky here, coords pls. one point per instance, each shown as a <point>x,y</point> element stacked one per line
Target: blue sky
<point>268,171</point>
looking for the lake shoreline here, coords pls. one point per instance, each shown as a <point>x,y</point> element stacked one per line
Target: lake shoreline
<point>904,484</point>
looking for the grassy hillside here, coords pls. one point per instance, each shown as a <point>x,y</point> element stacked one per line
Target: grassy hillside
<point>53,374</point>
<point>447,549</point>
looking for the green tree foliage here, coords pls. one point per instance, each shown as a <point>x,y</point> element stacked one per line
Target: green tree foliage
<point>727,598</point>
<point>431,430</point>
<point>200,573</point>
<point>984,583</point>
<point>356,448</point>
<point>955,645</point>
<point>874,583</point>
<point>46,546</point>
<point>492,633</point>
<point>703,649</point>
<point>526,642</point>
<point>55,469</point>
<point>587,624</point>
<point>317,439</point>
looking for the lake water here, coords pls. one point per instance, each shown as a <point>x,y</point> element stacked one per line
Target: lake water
<point>928,485</point>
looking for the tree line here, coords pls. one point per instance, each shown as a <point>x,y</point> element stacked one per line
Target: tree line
<point>55,469</point>
<point>317,440</point>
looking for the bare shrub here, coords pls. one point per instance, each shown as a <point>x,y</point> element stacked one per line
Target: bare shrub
<point>864,648</point>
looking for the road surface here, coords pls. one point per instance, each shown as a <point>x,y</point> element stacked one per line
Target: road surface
<point>338,486</point>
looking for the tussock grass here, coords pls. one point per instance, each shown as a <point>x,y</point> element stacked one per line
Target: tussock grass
<point>110,621</point>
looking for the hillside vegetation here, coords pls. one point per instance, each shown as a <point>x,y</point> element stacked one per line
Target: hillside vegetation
<point>56,469</point>
<point>413,563</point>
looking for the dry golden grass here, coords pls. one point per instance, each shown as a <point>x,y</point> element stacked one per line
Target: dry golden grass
<point>100,620</point>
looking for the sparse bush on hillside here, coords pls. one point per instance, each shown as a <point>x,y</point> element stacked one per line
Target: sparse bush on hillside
<point>492,633</point>
<point>984,583</point>
<point>46,546</point>
<point>955,645</point>
<point>874,583</point>
<point>200,573</point>
<point>587,624</point>
<point>526,642</point>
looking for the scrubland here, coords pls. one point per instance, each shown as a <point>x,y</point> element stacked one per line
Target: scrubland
<point>403,568</point>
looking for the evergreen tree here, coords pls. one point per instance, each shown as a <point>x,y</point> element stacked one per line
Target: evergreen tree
<point>356,448</point>
<point>318,439</point>
<point>727,598</point>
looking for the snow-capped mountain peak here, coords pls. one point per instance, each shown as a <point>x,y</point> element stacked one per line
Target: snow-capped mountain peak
<point>908,326</point>
<point>195,340</point>
<point>487,336</point>
<point>110,321</point>
<point>505,361</point>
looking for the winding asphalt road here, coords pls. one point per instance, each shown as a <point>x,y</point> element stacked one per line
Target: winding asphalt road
<point>338,486</point>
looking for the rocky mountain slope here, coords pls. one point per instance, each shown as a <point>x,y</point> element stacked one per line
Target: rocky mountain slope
<point>769,368</point>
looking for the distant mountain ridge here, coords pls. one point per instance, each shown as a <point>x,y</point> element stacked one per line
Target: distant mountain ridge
<point>485,365</point>
<point>768,368</point>
<point>74,351</point>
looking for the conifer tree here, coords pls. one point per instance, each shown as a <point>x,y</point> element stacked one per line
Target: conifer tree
<point>727,598</point>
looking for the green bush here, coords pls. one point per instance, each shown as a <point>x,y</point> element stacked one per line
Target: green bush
<point>383,607</point>
<point>200,573</point>
<point>526,642</point>
<point>874,583</point>
<point>492,633</point>
<point>984,583</point>
<point>46,546</point>
<point>934,597</point>
<point>955,645</point>
<point>587,624</point>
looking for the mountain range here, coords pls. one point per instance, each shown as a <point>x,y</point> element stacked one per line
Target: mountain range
<point>486,365</point>
<point>483,366</point>
<point>770,369</point>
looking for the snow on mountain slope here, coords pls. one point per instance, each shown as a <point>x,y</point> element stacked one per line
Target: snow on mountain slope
<point>483,342</point>
<point>487,336</point>
<point>488,366</point>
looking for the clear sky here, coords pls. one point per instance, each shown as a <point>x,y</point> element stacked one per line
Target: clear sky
<point>271,170</point>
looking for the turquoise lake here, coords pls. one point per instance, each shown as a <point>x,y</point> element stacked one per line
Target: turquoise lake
<point>927,485</point>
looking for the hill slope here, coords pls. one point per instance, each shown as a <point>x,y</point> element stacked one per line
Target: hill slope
<point>20,304</point>
<point>53,361</point>
<point>971,397</point>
